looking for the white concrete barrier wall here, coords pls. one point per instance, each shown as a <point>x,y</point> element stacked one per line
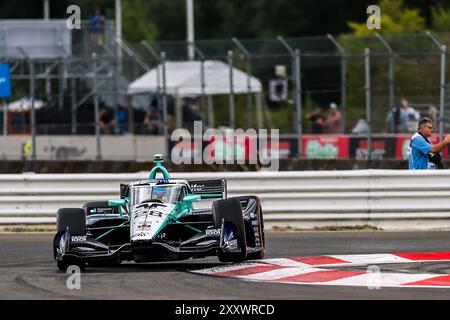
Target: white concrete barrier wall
<point>112,147</point>
<point>388,199</point>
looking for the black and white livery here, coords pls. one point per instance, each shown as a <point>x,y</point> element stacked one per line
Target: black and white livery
<point>155,220</point>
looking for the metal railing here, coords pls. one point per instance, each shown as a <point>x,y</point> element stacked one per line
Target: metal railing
<point>387,199</point>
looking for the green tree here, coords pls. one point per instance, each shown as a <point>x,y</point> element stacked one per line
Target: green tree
<point>136,23</point>
<point>395,18</point>
<point>416,73</point>
<point>440,19</point>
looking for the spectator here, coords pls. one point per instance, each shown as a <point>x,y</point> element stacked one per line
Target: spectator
<point>402,119</point>
<point>423,154</point>
<point>393,119</point>
<point>432,113</point>
<point>361,126</point>
<point>97,22</point>
<point>122,126</point>
<point>151,121</point>
<point>106,121</point>
<point>333,122</point>
<point>411,115</point>
<point>316,119</point>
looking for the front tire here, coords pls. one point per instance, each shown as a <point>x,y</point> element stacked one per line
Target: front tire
<point>69,222</point>
<point>63,265</point>
<point>260,254</point>
<point>72,218</point>
<point>229,212</point>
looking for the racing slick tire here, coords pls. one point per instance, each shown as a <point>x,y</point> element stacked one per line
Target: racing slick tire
<point>260,254</point>
<point>74,218</point>
<point>230,211</point>
<point>63,265</point>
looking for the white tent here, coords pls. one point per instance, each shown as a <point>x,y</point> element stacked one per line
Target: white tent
<point>183,78</point>
<point>24,104</point>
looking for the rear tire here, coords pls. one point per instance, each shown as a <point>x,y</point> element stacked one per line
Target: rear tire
<point>229,210</point>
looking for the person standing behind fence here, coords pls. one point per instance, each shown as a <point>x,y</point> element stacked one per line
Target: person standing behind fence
<point>432,113</point>
<point>393,119</point>
<point>151,120</point>
<point>408,117</point>
<point>97,22</point>
<point>333,123</point>
<point>316,119</point>
<point>423,154</point>
<point>106,121</point>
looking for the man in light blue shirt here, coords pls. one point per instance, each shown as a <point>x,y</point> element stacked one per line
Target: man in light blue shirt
<point>422,151</point>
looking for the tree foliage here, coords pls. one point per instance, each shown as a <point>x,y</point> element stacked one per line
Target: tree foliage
<point>395,18</point>
<point>440,19</point>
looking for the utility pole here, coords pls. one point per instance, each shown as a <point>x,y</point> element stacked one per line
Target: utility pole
<point>118,18</point>
<point>190,28</point>
<point>46,10</point>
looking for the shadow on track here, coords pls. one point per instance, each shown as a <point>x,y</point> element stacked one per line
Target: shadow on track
<point>151,267</point>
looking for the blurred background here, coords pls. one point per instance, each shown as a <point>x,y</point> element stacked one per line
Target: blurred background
<point>116,84</point>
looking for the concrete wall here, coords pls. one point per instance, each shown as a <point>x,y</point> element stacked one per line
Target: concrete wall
<point>387,199</point>
<point>138,148</point>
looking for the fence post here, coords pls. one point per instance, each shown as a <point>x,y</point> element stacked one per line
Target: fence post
<point>164,102</point>
<point>157,60</point>
<point>368,100</point>
<point>343,78</point>
<point>74,105</point>
<point>248,65</point>
<point>61,72</point>
<point>298,100</point>
<point>116,89</point>
<point>96,110</point>
<point>231,96</point>
<point>5,118</point>
<point>442,92</point>
<point>202,81</point>
<point>391,70</point>
<point>33,115</point>
<point>202,84</point>
<point>296,78</point>
<point>443,50</point>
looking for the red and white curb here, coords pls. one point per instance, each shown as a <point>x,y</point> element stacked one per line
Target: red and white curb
<point>310,270</point>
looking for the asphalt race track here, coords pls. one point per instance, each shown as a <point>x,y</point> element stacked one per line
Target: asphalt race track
<point>27,270</point>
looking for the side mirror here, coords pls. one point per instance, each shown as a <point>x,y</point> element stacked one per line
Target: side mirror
<point>192,198</point>
<point>120,202</point>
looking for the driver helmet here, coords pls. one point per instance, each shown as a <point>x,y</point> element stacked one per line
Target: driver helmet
<point>160,193</point>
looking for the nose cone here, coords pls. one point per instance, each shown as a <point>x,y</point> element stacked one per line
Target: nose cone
<point>146,229</point>
<point>147,222</point>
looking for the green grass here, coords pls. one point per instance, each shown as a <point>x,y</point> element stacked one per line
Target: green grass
<point>28,228</point>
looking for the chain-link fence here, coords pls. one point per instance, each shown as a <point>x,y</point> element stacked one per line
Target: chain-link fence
<point>309,85</point>
<point>332,69</point>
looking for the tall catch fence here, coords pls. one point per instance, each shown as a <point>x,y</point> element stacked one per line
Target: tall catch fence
<point>239,83</point>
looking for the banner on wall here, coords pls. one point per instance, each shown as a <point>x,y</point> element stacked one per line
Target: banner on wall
<point>313,147</point>
<point>382,148</point>
<point>325,146</point>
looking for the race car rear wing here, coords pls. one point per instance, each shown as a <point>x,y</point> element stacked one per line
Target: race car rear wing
<point>209,189</point>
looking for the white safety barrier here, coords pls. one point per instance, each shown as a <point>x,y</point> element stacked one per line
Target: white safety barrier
<point>388,199</point>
